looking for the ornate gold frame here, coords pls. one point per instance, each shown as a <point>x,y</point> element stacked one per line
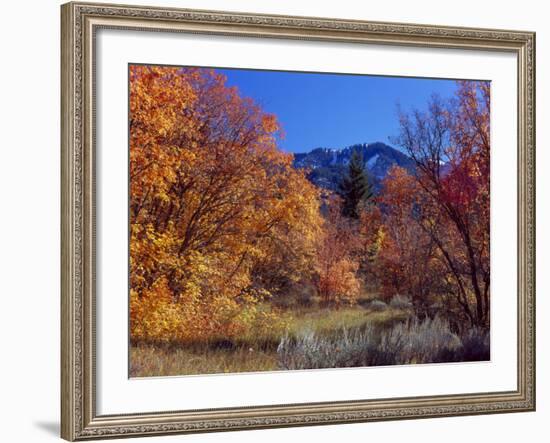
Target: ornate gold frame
<point>79,21</point>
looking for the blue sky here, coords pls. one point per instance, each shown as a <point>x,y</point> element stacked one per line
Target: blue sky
<point>334,110</point>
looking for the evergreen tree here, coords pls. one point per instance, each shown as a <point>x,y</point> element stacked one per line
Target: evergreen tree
<point>354,187</point>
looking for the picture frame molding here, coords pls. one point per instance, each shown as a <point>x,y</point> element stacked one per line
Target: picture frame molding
<point>79,23</point>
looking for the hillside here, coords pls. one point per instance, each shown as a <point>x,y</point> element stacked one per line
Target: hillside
<point>327,165</point>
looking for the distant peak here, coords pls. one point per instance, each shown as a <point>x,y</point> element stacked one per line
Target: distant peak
<point>344,148</point>
<point>326,165</point>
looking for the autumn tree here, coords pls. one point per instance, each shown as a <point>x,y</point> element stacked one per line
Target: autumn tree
<point>337,279</point>
<point>369,241</point>
<point>450,145</point>
<point>407,261</point>
<point>354,188</point>
<point>212,203</point>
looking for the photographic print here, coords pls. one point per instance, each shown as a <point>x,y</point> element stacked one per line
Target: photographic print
<point>297,220</point>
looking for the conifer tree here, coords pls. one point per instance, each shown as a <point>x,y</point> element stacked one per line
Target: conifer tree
<point>354,187</point>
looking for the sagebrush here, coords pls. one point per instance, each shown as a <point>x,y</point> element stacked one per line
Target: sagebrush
<point>412,341</point>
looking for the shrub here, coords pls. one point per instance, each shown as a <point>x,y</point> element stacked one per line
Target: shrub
<point>424,341</point>
<point>476,345</point>
<point>155,317</point>
<point>413,341</point>
<point>400,302</point>
<point>308,350</point>
<point>377,305</point>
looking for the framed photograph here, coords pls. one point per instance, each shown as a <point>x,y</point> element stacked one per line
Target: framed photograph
<point>277,221</point>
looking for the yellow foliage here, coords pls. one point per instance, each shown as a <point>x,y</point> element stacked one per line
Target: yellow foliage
<point>214,206</point>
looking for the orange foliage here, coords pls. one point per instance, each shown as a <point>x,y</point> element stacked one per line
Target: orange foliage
<point>337,279</point>
<point>406,262</point>
<point>212,198</point>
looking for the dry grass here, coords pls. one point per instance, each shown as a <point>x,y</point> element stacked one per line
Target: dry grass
<point>253,353</point>
<point>148,360</point>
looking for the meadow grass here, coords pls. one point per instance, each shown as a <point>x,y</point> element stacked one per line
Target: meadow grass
<point>150,360</point>
<point>258,351</point>
<point>328,320</point>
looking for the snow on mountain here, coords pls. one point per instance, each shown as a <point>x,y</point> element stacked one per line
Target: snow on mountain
<point>326,166</point>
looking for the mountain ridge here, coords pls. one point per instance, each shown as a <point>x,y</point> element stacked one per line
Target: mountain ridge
<point>327,165</point>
